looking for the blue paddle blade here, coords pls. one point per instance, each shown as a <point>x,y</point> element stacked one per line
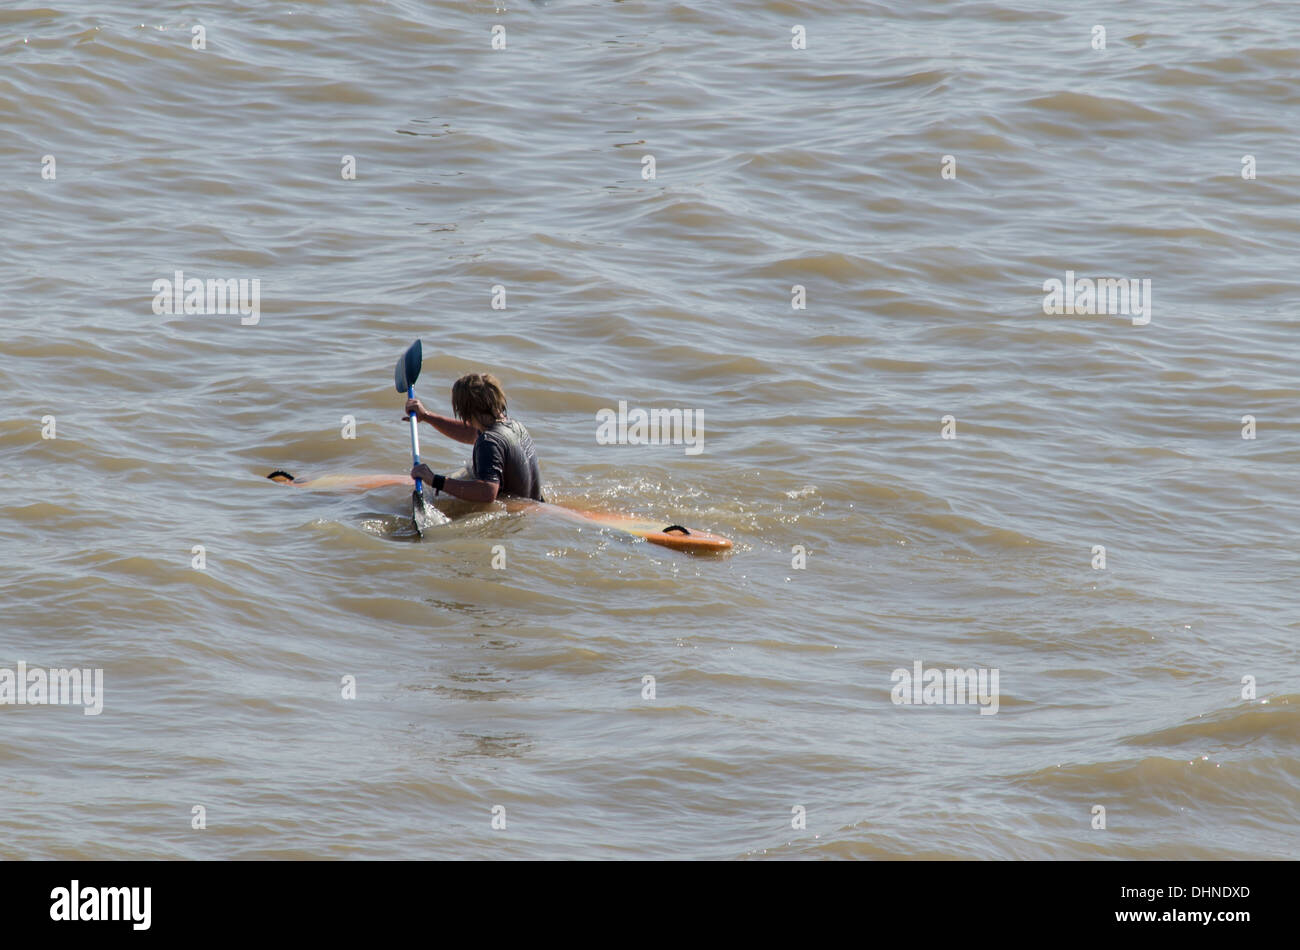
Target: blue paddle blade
<point>408,368</point>
<point>424,514</point>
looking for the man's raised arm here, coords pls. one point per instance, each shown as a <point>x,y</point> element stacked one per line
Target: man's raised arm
<point>451,428</point>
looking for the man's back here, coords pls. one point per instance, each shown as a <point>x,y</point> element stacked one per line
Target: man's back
<point>504,454</point>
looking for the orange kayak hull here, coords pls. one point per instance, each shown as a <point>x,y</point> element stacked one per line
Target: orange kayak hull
<point>676,537</point>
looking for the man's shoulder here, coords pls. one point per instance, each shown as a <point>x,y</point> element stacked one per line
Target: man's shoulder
<point>507,430</point>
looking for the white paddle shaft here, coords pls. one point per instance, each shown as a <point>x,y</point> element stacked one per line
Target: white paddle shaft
<point>415,436</point>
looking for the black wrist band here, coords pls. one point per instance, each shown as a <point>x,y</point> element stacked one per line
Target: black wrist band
<point>438,481</point>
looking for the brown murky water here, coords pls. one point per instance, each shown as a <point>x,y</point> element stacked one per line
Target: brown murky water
<point>525,169</point>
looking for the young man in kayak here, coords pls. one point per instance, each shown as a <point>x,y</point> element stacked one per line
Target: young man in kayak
<point>504,460</point>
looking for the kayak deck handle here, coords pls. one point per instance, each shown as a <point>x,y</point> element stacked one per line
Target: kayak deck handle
<point>674,527</point>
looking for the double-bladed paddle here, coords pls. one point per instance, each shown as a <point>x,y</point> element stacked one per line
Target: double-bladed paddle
<point>404,376</point>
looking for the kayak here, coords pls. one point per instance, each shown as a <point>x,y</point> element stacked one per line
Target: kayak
<point>675,536</point>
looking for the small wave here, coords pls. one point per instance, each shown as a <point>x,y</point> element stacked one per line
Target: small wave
<point>1271,719</point>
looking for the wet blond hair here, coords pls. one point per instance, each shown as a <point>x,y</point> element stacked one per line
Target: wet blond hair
<point>479,399</point>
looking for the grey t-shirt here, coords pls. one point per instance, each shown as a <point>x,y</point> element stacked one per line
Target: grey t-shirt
<point>504,454</point>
